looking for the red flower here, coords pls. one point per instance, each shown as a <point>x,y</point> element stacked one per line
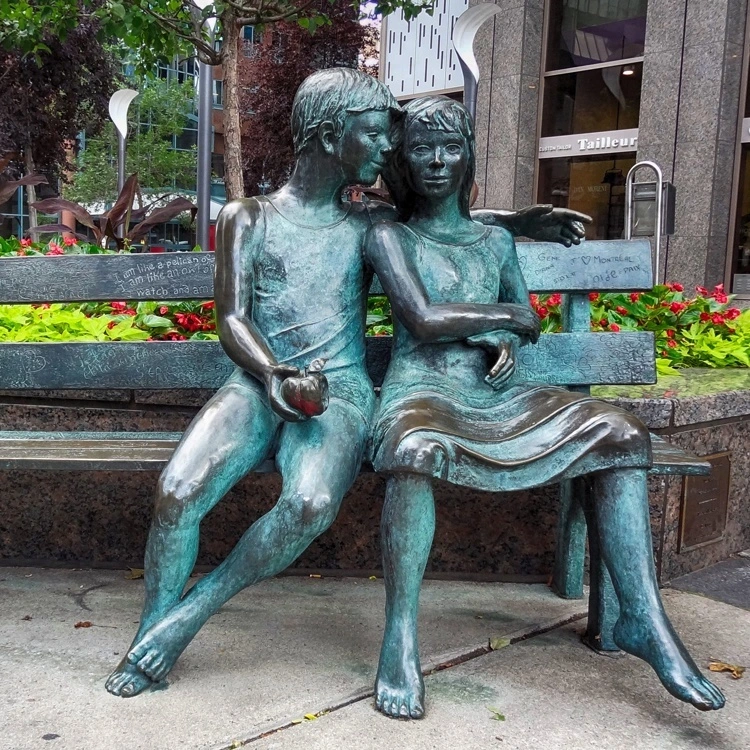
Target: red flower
<point>635,296</point>
<point>621,310</point>
<point>705,317</point>
<point>55,249</point>
<point>68,241</point>
<point>732,313</point>
<point>542,312</point>
<point>671,343</point>
<point>677,307</point>
<point>614,327</point>
<point>118,306</point>
<point>25,242</point>
<point>189,321</point>
<point>676,287</point>
<point>670,333</point>
<point>208,305</point>
<point>130,311</point>
<point>721,298</point>
<point>163,310</point>
<point>719,289</point>
<point>534,299</point>
<point>603,322</point>
<point>718,319</point>
<point>664,303</point>
<point>593,296</point>
<point>111,324</point>
<point>702,291</point>
<point>555,299</point>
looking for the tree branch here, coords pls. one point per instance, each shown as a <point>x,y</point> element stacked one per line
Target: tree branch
<point>281,16</point>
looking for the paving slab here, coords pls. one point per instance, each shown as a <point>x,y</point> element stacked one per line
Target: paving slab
<point>727,581</point>
<point>280,650</point>
<point>556,694</point>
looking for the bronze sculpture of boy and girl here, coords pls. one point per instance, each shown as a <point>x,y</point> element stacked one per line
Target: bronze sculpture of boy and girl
<point>293,270</point>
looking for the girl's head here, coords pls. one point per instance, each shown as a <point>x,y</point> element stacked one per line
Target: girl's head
<point>434,155</point>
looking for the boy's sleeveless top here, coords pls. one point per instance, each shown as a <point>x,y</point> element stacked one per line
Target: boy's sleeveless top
<point>309,294</point>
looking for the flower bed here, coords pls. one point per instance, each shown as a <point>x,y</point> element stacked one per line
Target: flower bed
<point>699,331</point>
<point>702,331</point>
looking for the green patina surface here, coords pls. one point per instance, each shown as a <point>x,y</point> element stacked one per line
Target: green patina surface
<point>690,382</point>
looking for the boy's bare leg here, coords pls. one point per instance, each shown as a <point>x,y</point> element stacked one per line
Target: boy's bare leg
<point>318,460</point>
<point>229,437</point>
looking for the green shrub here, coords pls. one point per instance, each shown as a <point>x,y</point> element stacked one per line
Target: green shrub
<point>701,331</point>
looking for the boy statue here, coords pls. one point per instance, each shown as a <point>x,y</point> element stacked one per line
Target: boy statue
<point>291,288</point>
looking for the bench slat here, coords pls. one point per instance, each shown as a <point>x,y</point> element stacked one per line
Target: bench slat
<point>601,265</point>
<point>672,460</point>
<point>150,451</point>
<point>558,359</point>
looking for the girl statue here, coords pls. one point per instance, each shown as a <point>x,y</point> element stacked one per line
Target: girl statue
<point>456,288</point>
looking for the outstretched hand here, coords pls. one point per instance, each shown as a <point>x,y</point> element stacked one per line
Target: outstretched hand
<point>545,223</point>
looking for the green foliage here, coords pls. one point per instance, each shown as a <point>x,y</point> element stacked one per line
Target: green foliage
<point>108,321</point>
<point>12,246</point>
<point>379,320</point>
<point>165,106</point>
<point>156,30</point>
<point>702,331</point>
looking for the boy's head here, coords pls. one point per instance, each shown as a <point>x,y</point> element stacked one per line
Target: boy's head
<point>349,114</point>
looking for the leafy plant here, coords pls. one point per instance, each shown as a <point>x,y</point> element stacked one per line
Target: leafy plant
<point>114,224</point>
<point>701,331</point>
<point>108,321</point>
<point>165,106</point>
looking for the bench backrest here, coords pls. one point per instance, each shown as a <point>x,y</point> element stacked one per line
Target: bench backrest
<point>577,357</point>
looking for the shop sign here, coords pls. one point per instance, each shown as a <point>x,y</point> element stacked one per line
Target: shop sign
<point>746,130</point>
<point>585,144</point>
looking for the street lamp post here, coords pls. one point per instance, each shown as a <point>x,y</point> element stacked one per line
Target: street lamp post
<point>464,33</point>
<point>119,103</point>
<point>205,132</point>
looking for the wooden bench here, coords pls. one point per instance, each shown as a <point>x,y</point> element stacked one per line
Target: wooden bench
<point>577,358</point>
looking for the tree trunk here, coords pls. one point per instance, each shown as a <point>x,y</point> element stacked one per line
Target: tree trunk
<point>28,157</point>
<point>232,126</point>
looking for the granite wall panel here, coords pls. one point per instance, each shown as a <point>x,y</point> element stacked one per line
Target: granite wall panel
<point>734,437</point>
<point>103,517</point>
<point>508,102</point>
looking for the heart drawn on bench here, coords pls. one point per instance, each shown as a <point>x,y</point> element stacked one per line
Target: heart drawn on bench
<point>586,259</point>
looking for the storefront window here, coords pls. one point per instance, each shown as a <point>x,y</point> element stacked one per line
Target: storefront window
<point>594,185</point>
<point>742,233</point>
<point>591,32</point>
<point>592,100</point>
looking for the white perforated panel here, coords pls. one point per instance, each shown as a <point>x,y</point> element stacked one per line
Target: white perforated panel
<point>418,56</point>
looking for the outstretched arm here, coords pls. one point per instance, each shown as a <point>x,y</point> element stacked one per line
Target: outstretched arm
<point>237,236</point>
<point>436,323</point>
<point>541,223</point>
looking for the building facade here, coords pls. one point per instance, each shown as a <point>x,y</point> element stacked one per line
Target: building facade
<point>574,92</point>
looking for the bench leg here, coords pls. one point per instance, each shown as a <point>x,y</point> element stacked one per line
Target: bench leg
<point>604,607</point>
<point>567,577</point>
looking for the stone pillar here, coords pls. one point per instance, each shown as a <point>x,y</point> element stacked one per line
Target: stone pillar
<point>688,125</point>
<point>509,51</point>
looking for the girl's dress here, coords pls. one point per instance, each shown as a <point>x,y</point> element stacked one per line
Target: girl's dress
<point>434,398</point>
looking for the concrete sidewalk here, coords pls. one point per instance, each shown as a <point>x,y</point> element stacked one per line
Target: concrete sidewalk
<point>297,646</point>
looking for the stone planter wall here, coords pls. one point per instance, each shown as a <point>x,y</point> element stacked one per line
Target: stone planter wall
<point>102,518</point>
